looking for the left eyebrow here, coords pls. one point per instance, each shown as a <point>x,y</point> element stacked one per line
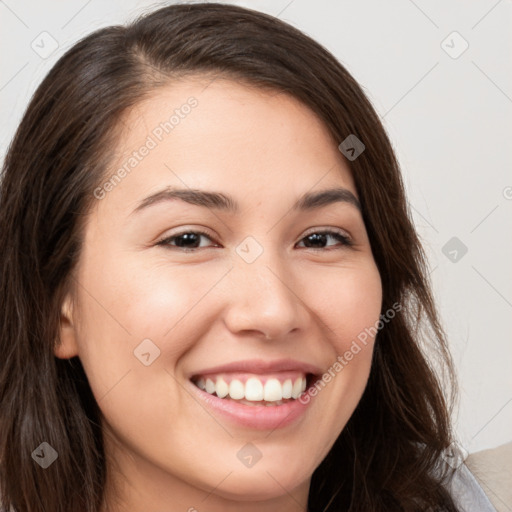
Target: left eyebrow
<point>312,200</point>
<point>220,201</point>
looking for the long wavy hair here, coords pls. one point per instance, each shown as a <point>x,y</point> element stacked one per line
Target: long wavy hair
<point>387,456</point>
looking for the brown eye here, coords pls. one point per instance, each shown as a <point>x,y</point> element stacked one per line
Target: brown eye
<point>187,240</point>
<point>318,239</point>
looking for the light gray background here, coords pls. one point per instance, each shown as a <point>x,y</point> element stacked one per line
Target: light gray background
<point>450,120</point>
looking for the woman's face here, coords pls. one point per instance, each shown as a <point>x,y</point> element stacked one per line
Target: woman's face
<point>263,294</point>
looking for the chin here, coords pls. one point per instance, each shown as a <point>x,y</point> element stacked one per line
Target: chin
<point>260,484</point>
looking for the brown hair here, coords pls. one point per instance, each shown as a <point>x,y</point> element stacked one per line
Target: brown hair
<point>387,456</point>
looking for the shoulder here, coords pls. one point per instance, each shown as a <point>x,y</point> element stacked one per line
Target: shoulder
<point>492,469</point>
<point>480,482</point>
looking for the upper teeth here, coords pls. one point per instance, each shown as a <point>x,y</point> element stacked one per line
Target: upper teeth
<point>254,389</point>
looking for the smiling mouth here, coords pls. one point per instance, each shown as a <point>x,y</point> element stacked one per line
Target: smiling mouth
<point>255,389</point>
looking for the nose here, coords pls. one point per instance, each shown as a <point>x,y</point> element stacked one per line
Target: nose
<point>263,300</point>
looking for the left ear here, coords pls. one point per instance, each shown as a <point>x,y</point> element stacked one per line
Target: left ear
<point>67,346</point>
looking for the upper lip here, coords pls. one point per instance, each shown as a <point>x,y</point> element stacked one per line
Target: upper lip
<point>261,366</point>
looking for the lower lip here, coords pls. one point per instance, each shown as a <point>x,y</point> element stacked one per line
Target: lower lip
<point>260,417</point>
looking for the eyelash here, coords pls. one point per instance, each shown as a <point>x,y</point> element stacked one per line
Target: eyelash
<point>345,240</point>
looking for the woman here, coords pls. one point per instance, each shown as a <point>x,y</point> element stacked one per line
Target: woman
<point>213,296</point>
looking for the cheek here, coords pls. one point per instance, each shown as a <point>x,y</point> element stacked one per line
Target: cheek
<point>348,301</point>
<point>132,335</point>
<point>135,300</point>
<point>128,304</point>
<point>160,297</point>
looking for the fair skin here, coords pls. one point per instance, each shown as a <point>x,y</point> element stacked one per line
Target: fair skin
<point>166,449</point>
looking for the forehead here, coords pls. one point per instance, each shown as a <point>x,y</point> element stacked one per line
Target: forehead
<point>222,134</point>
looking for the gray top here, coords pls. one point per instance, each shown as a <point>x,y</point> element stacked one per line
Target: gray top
<point>467,493</point>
